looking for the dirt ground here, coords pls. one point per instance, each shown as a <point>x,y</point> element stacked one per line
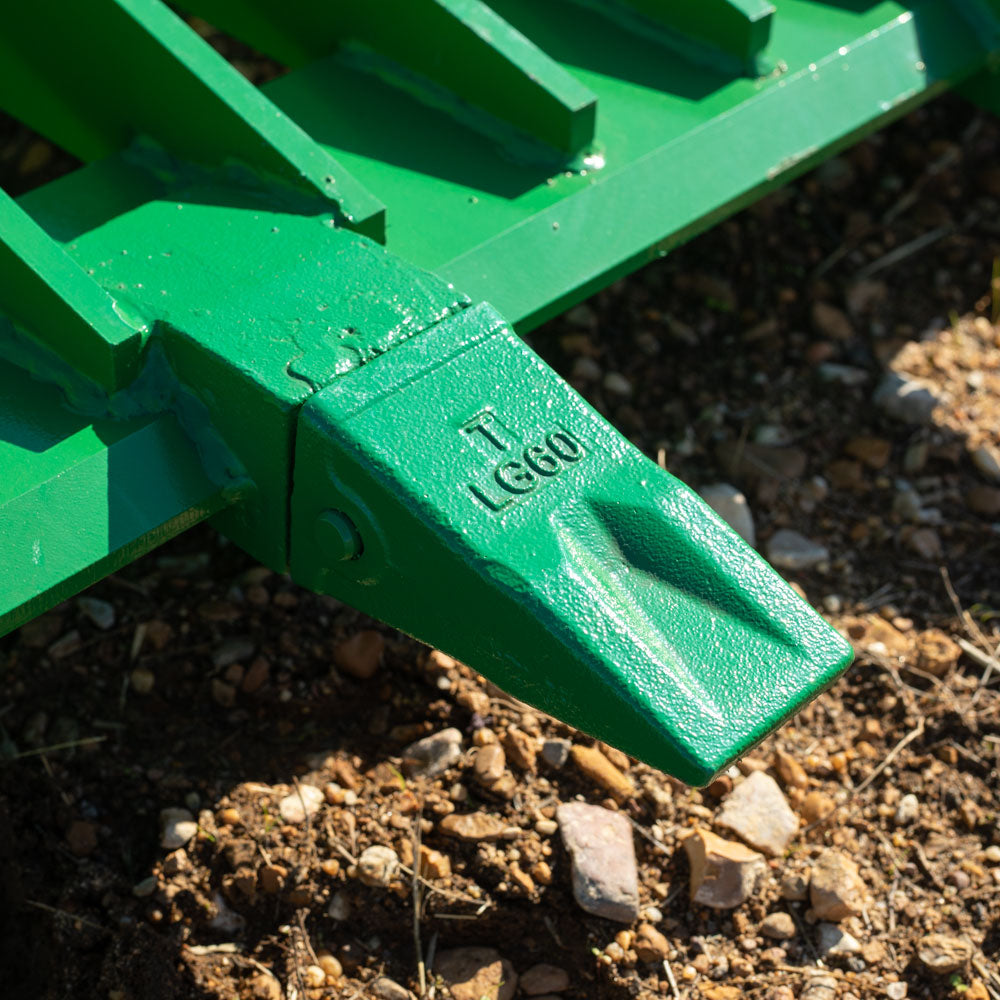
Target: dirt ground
<point>197,680</point>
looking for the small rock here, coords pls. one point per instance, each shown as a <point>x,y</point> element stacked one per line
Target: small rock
<point>731,505</point>
<point>986,459</point>
<point>602,853</point>
<point>896,991</point>
<point>81,838</point>
<point>266,987</point>
<point>546,827</point>
<point>791,772</point>
<point>521,749</point>
<point>304,801</point>
<point>984,500</point>
<point>99,612</point>
<point>476,974</point>
<point>724,874</point>
<point>601,771</point>
<point>433,754</point>
<point>833,940</point>
<point>232,651</point>
<point>361,654</point>
<point>908,400</point>
<point>816,806</point>
<point>757,812</point>
<point>145,888</point>
<point>787,549</point>
<point>313,976</point>
<point>926,543</point>
<point>142,680</point>
<point>907,810</point>
<point>377,865</point>
<point>472,827</point>
<point>340,906</point>
<point>544,978</point>
<point>177,827</point>
<point>835,888</point>
<point>831,322</point>
<point>489,764</point>
<point>780,926</point>
<point>434,864</point>
<point>555,752</point>
<point>942,953</point>
<point>650,945</point>
<point>871,451</point>
<point>847,375</point>
<point>388,989</point>
<point>819,987</point>
<point>330,964</point>
<point>937,652</point>
<point>617,384</point>
<point>794,887</point>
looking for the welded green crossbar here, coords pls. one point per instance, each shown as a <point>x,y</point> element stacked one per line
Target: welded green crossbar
<point>200,322</point>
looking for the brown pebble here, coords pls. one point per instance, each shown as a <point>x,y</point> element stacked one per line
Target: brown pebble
<point>490,763</point>
<point>228,816</point>
<point>360,654</point>
<point>521,878</point>
<point>816,806</point>
<point>472,826</point>
<point>601,771</point>
<point>271,878</point>
<point>256,676</point>
<point>791,772</point>
<point>81,838</point>
<point>521,749</point>
<point>650,945</point>
<point>541,872</point>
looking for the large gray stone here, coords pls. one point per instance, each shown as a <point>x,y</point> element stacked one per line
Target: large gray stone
<point>599,843</point>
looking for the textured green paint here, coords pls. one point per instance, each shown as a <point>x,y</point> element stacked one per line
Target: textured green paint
<point>594,586</point>
<point>46,293</point>
<point>256,308</point>
<point>80,498</point>
<point>737,29</point>
<point>682,145</point>
<point>459,45</point>
<point>95,75</point>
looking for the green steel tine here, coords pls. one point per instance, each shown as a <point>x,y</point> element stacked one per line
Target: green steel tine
<point>738,29</point>
<point>48,294</point>
<point>461,45</point>
<point>147,73</point>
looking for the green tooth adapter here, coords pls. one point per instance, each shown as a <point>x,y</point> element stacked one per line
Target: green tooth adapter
<point>292,310</point>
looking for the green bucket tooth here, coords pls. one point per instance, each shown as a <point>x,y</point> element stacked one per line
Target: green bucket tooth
<point>460,490</point>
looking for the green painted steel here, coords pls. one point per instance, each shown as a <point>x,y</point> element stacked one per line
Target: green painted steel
<point>464,49</point>
<point>193,329</point>
<point>95,76</point>
<point>726,34</point>
<point>80,497</point>
<point>552,555</point>
<point>46,293</point>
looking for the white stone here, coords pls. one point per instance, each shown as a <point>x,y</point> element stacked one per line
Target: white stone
<point>304,801</point>
<point>787,549</point>
<point>177,827</point>
<point>731,505</point>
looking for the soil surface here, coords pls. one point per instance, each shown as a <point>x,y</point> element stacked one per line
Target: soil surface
<point>755,356</point>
